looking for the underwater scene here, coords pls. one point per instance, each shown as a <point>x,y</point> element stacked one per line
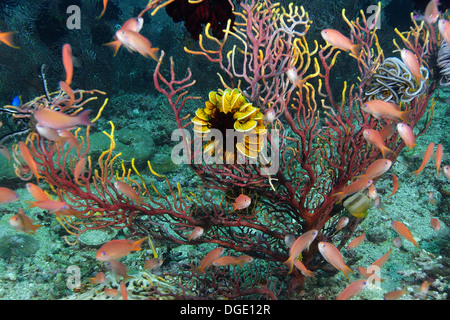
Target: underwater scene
<point>224,150</point>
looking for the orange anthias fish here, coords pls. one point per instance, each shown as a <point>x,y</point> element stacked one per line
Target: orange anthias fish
<point>406,134</point>
<point>404,232</point>
<point>50,205</point>
<point>302,268</point>
<point>208,260</point>
<point>434,223</point>
<point>79,169</point>
<point>342,223</point>
<point>60,121</point>
<point>374,138</point>
<point>395,183</point>
<point>376,169</point>
<point>381,261</point>
<point>196,233</point>
<point>7,195</point>
<point>356,186</point>
<point>37,193</point>
<point>303,242</point>
<point>118,268</point>
<point>334,257</point>
<point>411,62</point>
<point>241,202</point>
<point>439,155</point>
<point>133,24</point>
<point>380,108</point>
<point>153,263</point>
<point>6,38</point>
<point>116,249</point>
<point>426,158</point>
<point>21,222</point>
<point>128,191</point>
<point>394,295</point>
<point>67,62</point>
<point>228,261</point>
<point>338,40</point>
<point>356,242</point>
<point>29,160</point>
<point>432,11</point>
<point>134,41</point>
<point>352,290</point>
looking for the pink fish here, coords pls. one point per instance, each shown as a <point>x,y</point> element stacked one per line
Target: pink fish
<point>303,242</point>
<point>334,257</point>
<point>380,109</point>
<point>21,222</point>
<point>241,202</point>
<point>7,195</point>
<point>375,138</point>
<point>338,40</point>
<point>208,260</point>
<point>134,41</point>
<point>411,62</point>
<point>128,191</point>
<point>60,121</point>
<point>439,155</point>
<point>196,233</point>
<point>352,290</point>
<point>406,134</point>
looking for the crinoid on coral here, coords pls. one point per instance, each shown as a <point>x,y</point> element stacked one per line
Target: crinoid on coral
<point>226,118</point>
<point>393,82</point>
<point>443,62</point>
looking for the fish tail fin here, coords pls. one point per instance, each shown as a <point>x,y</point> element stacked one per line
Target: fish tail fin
<point>340,196</point>
<point>415,243</point>
<point>114,45</point>
<point>405,116</point>
<point>6,38</point>
<point>386,152</point>
<point>356,49</point>
<point>31,204</point>
<point>346,270</point>
<point>137,244</point>
<point>83,117</point>
<point>154,53</point>
<point>290,264</point>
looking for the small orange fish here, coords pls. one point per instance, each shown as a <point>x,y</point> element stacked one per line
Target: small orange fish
<point>338,40</point>
<point>118,268</point>
<point>5,152</point>
<point>244,259</point>
<point>303,242</point>
<point>110,292</point>
<point>241,202</point>
<point>67,137</point>
<point>7,38</point>
<point>21,222</point>
<point>79,169</point>
<point>153,263</point>
<point>7,195</point>
<point>404,232</point>
<point>334,257</point>
<point>406,134</point>
<point>342,223</point>
<point>411,62</point>
<point>376,169</point>
<point>394,295</point>
<point>435,224</point>
<point>127,190</point>
<point>50,205</point>
<point>196,233</point>
<point>123,290</point>
<point>270,115</point>
<point>226,261</point>
<point>29,160</point>
<point>68,90</point>
<point>446,170</point>
<point>134,41</point>
<point>37,193</point>
<point>116,249</point>
<point>47,133</point>
<point>301,267</point>
<point>372,192</point>
<point>374,138</point>
<point>439,155</point>
<point>356,186</point>
<point>209,259</point>
<point>356,242</point>
<point>424,288</point>
<point>380,108</point>
<point>395,183</point>
<point>352,290</point>
<point>67,62</point>
<point>60,121</point>
<point>426,157</point>
<point>99,278</point>
<point>381,261</point>
<point>444,30</point>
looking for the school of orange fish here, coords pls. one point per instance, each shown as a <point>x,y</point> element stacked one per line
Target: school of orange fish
<point>55,125</point>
